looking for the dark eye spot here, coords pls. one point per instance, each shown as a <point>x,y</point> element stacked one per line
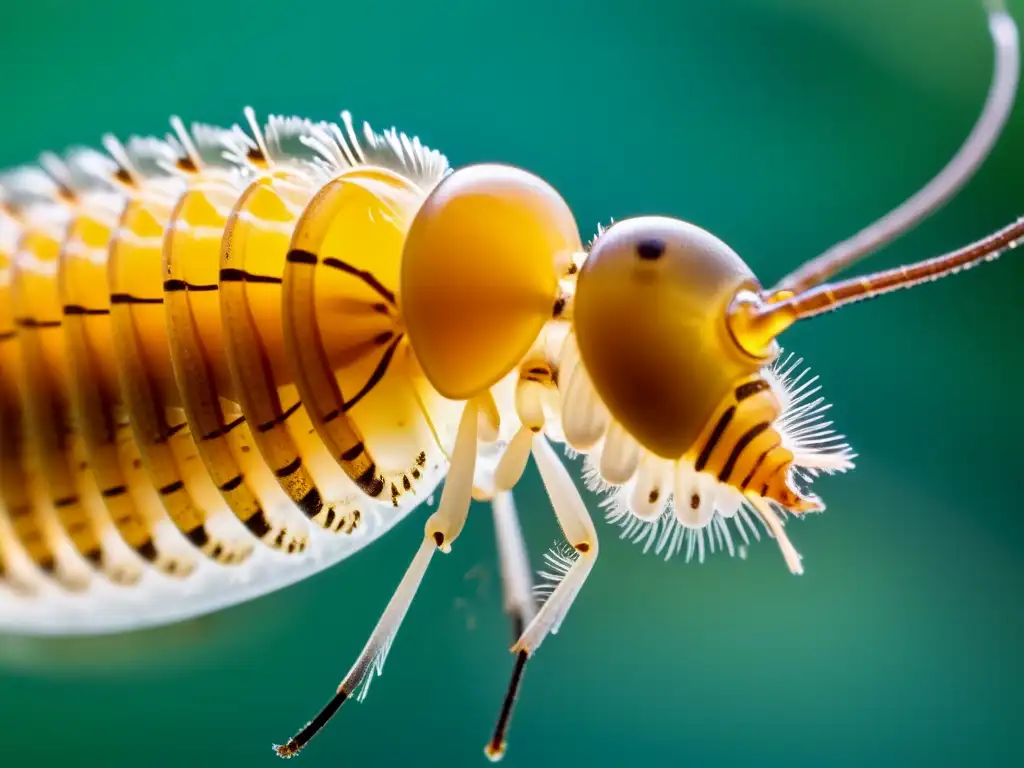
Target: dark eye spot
<point>650,250</point>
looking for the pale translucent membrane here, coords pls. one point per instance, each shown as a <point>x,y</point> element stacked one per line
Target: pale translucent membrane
<point>620,455</point>
<point>649,490</point>
<point>585,418</point>
<point>156,600</point>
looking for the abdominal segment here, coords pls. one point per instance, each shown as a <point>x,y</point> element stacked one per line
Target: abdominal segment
<point>206,391</point>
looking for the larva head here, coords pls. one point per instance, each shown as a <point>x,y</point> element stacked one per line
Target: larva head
<point>650,316</point>
<point>480,271</point>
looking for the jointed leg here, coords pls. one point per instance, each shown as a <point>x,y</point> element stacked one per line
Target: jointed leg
<point>517,592</point>
<point>578,529</point>
<point>533,627</point>
<point>442,528</point>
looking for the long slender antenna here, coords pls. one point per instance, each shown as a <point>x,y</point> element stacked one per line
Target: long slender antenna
<point>950,179</point>
<point>755,320</point>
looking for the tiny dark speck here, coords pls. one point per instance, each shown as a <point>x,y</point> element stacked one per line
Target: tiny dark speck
<point>650,250</point>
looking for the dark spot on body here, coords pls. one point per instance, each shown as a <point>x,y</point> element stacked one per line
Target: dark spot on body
<point>650,250</point>
<point>694,501</point>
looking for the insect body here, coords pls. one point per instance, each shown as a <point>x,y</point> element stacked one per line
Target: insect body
<point>232,358</point>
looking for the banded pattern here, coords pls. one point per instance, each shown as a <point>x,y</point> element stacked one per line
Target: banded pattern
<point>742,448</point>
<point>194,369</point>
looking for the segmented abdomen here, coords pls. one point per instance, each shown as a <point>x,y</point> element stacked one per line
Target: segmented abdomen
<point>190,412</point>
<point>740,445</point>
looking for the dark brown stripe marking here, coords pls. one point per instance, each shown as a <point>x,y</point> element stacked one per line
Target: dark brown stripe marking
<point>289,469</point>
<point>757,466</point>
<point>269,425</point>
<point>232,484</point>
<point>94,556</point>
<point>311,503</point>
<point>768,480</point>
<point>6,335</point>
<point>370,483</point>
<point>232,275</point>
<point>31,322</point>
<point>258,525</point>
<point>198,536</point>
<point>65,501</point>
<point>147,551</point>
<point>354,452</point>
<point>361,274</point>
<point>378,373</point>
<point>173,286</point>
<point>221,431</point>
<point>738,449</point>
<point>751,388</point>
<point>716,435</point>
<point>127,298</point>
<point>298,256</point>
<point>117,490</point>
<point>175,430</point>
<point>78,309</point>
<point>174,487</point>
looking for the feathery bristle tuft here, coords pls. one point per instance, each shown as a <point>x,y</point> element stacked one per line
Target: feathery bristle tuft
<point>815,445</point>
<point>559,560</point>
<point>338,148</point>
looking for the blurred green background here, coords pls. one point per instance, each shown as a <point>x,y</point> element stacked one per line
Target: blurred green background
<point>780,125</point>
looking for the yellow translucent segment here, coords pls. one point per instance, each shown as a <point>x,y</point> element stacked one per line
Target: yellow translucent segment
<point>345,338</point>
<point>146,376</point>
<point>480,274</point>
<point>69,485</point>
<point>256,241</point>
<point>129,496</point>
<point>650,322</point>
<point>193,313</point>
<point>26,519</point>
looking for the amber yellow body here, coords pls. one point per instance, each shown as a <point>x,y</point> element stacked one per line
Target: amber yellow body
<point>649,318</point>
<point>473,302</point>
<point>256,241</point>
<point>230,359</point>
